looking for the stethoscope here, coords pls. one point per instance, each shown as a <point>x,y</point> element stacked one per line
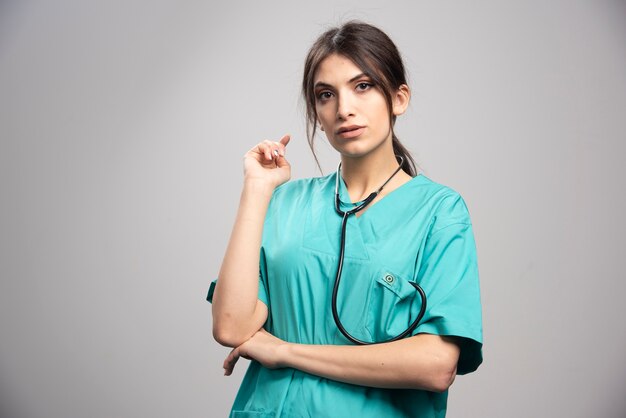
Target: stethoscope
<point>344,222</point>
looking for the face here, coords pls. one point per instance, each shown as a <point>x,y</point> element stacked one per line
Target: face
<point>345,98</point>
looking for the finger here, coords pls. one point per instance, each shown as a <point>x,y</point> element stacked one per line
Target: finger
<point>281,148</point>
<point>282,143</point>
<point>260,149</point>
<point>273,149</point>
<point>285,139</point>
<point>268,152</point>
<point>231,360</point>
<point>265,149</point>
<point>227,360</point>
<point>278,149</point>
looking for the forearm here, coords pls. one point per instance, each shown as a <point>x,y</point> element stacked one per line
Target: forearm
<point>235,300</point>
<point>421,362</point>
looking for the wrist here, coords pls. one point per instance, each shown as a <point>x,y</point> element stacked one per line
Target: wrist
<point>284,353</point>
<point>258,186</point>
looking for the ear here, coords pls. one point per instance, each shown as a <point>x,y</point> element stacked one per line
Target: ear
<point>401,99</point>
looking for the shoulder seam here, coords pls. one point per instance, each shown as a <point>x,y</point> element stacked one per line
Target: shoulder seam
<point>447,226</point>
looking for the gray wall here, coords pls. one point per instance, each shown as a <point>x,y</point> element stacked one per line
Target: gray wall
<point>122,127</point>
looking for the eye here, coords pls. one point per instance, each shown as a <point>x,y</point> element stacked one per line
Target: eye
<point>362,86</point>
<point>324,95</point>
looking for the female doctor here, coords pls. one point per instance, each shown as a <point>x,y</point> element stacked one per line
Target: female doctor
<point>319,349</point>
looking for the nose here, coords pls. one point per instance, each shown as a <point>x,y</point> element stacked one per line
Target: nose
<point>344,107</point>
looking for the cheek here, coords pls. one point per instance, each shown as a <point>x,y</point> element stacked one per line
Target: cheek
<point>383,112</point>
<point>322,113</point>
<point>324,122</point>
<point>383,119</point>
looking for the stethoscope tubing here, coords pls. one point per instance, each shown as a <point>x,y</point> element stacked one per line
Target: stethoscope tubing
<point>344,222</point>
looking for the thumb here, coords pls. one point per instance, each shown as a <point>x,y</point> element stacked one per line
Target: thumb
<point>285,139</point>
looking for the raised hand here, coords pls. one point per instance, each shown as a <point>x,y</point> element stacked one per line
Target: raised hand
<point>266,162</point>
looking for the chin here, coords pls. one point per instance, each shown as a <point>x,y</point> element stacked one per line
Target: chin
<point>356,149</point>
<point>355,154</point>
<point>351,150</point>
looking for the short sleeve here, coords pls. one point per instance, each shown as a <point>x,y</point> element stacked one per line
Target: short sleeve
<point>263,294</point>
<point>448,273</point>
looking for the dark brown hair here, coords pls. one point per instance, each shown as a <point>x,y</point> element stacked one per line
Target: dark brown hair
<point>376,55</point>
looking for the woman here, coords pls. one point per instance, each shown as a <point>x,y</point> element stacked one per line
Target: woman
<point>325,351</point>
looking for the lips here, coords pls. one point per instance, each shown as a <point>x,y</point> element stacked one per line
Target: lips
<point>351,133</point>
<point>348,128</point>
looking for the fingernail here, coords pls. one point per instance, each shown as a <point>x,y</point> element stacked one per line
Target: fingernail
<point>276,152</point>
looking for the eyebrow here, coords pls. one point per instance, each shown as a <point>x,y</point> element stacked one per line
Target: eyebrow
<point>356,77</point>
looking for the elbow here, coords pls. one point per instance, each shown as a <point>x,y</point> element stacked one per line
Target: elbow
<point>444,367</point>
<point>227,339</point>
<point>444,373</point>
<point>232,332</point>
<point>224,336</point>
<point>440,374</point>
<point>443,379</point>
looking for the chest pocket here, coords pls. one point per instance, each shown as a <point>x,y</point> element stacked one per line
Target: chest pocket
<point>394,303</point>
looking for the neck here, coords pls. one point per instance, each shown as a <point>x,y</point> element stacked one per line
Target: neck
<point>365,174</point>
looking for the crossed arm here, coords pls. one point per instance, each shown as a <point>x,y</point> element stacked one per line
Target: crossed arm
<point>423,361</point>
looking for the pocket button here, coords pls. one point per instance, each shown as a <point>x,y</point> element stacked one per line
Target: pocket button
<point>389,278</point>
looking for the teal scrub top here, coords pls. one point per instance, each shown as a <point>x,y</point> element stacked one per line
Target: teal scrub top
<point>422,232</point>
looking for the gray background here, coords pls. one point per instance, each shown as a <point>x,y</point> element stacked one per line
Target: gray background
<point>122,129</point>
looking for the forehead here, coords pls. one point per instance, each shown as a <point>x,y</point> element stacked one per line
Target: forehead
<point>336,69</point>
